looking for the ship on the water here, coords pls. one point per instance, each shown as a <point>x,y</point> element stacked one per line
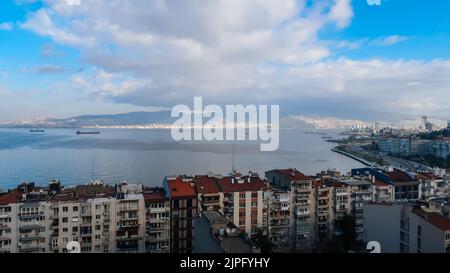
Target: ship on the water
<point>87,132</point>
<point>37,130</point>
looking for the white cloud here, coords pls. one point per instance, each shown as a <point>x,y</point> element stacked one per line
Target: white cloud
<point>6,26</point>
<point>162,52</point>
<point>389,40</point>
<point>342,13</point>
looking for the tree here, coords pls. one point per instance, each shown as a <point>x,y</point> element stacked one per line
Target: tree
<point>265,243</point>
<point>349,232</point>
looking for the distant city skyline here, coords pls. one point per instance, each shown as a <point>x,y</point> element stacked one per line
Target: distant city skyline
<point>331,58</point>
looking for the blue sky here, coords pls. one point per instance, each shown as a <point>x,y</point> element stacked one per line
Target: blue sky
<point>338,58</point>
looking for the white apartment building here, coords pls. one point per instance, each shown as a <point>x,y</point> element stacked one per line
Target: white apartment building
<point>406,228</point>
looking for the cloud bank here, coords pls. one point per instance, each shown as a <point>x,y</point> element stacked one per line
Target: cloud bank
<point>164,52</point>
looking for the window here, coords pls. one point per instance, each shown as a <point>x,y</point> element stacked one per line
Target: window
<point>98,207</point>
<point>97,237</point>
<point>254,204</point>
<point>97,217</point>
<point>447,237</point>
<point>97,227</point>
<point>242,205</point>
<point>75,208</point>
<point>65,219</point>
<point>419,245</point>
<point>74,229</point>
<point>65,209</point>
<point>65,240</point>
<point>242,195</point>
<point>419,230</point>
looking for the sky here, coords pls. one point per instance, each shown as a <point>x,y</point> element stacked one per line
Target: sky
<point>334,58</point>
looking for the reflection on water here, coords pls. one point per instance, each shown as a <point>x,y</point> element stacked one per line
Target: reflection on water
<point>146,156</point>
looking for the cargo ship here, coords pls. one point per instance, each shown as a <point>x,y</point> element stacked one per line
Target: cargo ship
<point>88,132</point>
<point>37,130</point>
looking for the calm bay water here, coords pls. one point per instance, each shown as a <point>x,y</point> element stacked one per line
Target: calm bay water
<point>146,156</point>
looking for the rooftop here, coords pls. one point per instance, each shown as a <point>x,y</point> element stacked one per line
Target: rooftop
<point>177,188</point>
<point>292,174</point>
<point>237,184</point>
<point>84,192</point>
<point>11,197</point>
<point>154,195</point>
<point>380,183</point>
<point>434,218</point>
<point>399,176</point>
<point>426,176</point>
<point>206,184</point>
<point>355,182</point>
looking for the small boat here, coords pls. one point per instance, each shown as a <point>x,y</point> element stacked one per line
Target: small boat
<point>37,130</point>
<point>88,132</point>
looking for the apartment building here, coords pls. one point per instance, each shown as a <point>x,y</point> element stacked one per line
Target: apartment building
<point>279,218</point>
<point>406,186</point>
<point>341,203</point>
<point>430,185</point>
<point>382,191</point>
<point>440,205</point>
<point>24,219</point>
<point>183,210</point>
<point>85,214</point>
<point>130,220</point>
<point>405,227</point>
<point>300,187</point>
<point>243,201</point>
<point>361,192</point>
<point>157,223</point>
<point>322,211</point>
<point>210,197</point>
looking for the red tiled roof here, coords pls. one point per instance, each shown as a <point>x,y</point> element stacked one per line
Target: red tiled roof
<point>399,176</point>
<point>333,183</point>
<point>293,174</point>
<point>380,183</point>
<point>255,184</point>
<point>154,194</point>
<point>178,188</point>
<point>205,184</point>
<point>426,176</point>
<point>11,197</point>
<point>434,218</point>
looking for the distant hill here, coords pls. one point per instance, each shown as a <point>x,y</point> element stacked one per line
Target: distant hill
<point>133,118</point>
<point>164,118</point>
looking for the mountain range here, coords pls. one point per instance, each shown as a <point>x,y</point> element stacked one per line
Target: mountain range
<point>163,118</point>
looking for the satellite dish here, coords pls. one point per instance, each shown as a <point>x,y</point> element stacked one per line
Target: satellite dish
<point>228,230</point>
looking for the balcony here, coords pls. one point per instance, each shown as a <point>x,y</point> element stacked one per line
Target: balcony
<point>128,237</point>
<point>30,238</point>
<point>86,213</point>
<point>86,224</point>
<point>29,228</point>
<point>4,215</point>
<point>303,213</point>
<point>29,249</point>
<point>30,216</point>
<point>127,208</point>
<point>127,218</point>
